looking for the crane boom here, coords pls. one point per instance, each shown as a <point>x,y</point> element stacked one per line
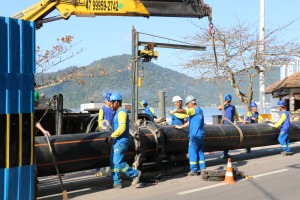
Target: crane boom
<point>91,8</point>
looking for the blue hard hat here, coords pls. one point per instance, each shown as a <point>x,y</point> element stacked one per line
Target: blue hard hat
<point>227,97</point>
<point>144,101</point>
<point>107,96</point>
<point>115,97</point>
<point>253,104</point>
<point>281,103</point>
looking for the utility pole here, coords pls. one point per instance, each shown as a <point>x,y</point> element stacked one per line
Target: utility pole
<point>135,63</point>
<point>262,54</point>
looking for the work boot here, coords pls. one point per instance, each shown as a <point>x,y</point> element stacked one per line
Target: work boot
<point>192,174</point>
<point>284,153</point>
<point>98,174</point>
<point>136,179</point>
<point>117,186</point>
<point>201,171</point>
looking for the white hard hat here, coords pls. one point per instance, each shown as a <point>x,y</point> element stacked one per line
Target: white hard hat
<point>176,98</point>
<point>189,99</point>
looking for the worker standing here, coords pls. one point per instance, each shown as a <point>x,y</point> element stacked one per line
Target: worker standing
<point>105,114</point>
<point>196,134</point>
<point>120,142</point>
<point>105,117</point>
<point>230,113</point>
<point>148,109</point>
<point>177,118</point>
<point>284,123</point>
<point>36,99</point>
<point>253,117</point>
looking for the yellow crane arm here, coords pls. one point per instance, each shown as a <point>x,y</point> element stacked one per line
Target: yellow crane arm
<point>91,8</point>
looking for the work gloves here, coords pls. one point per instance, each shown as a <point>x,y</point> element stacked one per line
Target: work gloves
<point>109,128</point>
<point>108,139</point>
<point>178,127</point>
<point>272,125</point>
<point>171,112</point>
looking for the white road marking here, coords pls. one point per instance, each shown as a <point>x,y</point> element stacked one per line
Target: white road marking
<point>269,173</point>
<point>199,189</point>
<point>60,194</point>
<point>221,184</point>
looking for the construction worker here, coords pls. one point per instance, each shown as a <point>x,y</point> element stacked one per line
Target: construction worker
<point>148,109</point>
<point>177,118</point>
<point>120,142</point>
<point>36,99</point>
<point>284,123</point>
<point>196,134</point>
<point>105,114</point>
<point>105,117</point>
<point>230,113</point>
<point>252,117</point>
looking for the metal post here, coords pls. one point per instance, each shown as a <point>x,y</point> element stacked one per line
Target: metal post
<point>262,51</point>
<point>59,114</point>
<point>162,104</point>
<point>134,92</point>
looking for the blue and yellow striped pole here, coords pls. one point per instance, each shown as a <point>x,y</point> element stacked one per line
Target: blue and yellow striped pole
<point>17,68</point>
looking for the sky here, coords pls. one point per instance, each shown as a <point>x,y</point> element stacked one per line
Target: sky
<point>104,36</point>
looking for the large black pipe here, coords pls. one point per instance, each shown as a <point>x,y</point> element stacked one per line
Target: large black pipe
<point>76,152</point>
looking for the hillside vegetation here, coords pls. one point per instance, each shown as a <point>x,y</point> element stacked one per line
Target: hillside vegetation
<point>117,78</point>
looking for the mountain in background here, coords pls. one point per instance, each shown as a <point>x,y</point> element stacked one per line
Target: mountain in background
<point>117,78</point>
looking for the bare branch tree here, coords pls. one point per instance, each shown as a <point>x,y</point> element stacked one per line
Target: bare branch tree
<point>48,60</point>
<point>238,55</point>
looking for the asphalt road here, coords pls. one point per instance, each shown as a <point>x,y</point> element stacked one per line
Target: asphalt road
<point>271,176</point>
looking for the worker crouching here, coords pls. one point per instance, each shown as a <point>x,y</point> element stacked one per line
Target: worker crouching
<point>120,142</point>
<point>196,134</point>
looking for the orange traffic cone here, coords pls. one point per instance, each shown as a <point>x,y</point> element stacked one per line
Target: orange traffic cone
<point>229,174</point>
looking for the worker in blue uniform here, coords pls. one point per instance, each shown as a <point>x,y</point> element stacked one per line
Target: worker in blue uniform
<point>196,134</point>
<point>105,117</point>
<point>120,142</point>
<point>284,125</point>
<point>177,118</point>
<point>148,109</point>
<point>252,117</point>
<point>229,114</point>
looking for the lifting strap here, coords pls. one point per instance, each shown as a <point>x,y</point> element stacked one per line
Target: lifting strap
<point>211,33</point>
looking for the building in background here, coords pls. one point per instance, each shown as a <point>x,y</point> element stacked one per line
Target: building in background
<point>287,89</point>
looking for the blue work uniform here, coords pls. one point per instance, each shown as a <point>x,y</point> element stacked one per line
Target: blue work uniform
<point>230,112</point>
<point>120,144</point>
<point>176,121</point>
<point>108,114</point>
<point>248,119</point>
<point>196,139</point>
<point>148,111</point>
<point>178,118</point>
<point>105,113</point>
<point>283,137</point>
<point>250,115</point>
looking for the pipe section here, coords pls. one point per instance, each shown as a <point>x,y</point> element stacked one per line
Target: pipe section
<point>153,143</point>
